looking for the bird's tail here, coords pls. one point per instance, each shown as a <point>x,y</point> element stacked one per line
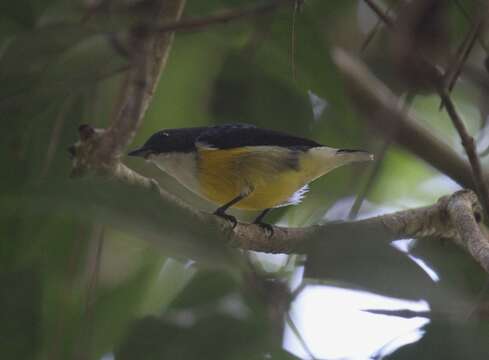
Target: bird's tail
<point>321,160</point>
<point>349,155</point>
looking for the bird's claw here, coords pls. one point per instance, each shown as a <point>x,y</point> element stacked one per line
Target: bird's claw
<point>267,228</point>
<point>228,217</point>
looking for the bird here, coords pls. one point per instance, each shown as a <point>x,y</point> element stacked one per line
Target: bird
<point>243,166</point>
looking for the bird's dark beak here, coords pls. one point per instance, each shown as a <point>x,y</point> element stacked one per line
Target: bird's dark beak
<point>141,152</point>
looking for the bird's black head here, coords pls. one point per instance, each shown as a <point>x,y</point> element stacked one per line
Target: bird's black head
<point>168,141</point>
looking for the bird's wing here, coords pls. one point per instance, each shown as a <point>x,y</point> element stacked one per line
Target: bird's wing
<point>271,171</point>
<point>242,135</point>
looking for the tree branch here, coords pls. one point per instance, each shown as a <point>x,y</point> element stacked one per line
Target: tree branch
<point>452,74</point>
<point>440,220</point>
<point>469,145</point>
<point>461,210</point>
<point>99,150</point>
<point>453,217</point>
<point>386,114</point>
<point>148,53</point>
<point>382,14</point>
<point>223,17</point>
<point>443,85</point>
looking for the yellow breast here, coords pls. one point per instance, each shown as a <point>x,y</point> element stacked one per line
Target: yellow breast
<point>270,175</point>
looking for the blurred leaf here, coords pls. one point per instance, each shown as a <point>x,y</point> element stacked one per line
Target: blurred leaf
<point>463,283</point>
<point>214,337</point>
<point>203,7</point>
<point>199,316</point>
<point>43,44</point>
<point>364,259</point>
<point>59,67</point>
<point>172,277</point>
<point>72,62</point>
<point>447,340</point>
<point>205,288</point>
<point>137,210</point>
<point>453,265</point>
<point>20,314</point>
<point>114,309</point>
<point>250,95</point>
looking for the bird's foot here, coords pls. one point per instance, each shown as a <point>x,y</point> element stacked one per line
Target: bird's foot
<point>228,217</point>
<point>267,228</point>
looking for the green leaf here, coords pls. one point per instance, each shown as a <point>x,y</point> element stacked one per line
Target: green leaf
<point>365,259</point>
<point>139,211</point>
<point>20,314</point>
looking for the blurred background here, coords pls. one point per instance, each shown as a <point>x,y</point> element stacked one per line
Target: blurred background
<point>76,280</point>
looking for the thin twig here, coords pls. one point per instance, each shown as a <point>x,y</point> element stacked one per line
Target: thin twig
<point>467,16</point>
<point>374,30</point>
<point>451,68</point>
<point>380,12</point>
<point>223,17</point>
<point>292,40</point>
<point>87,337</point>
<point>467,141</point>
<point>67,292</point>
<point>55,135</point>
<point>298,335</point>
<point>453,75</point>
<point>384,112</point>
<point>374,98</point>
<point>298,290</point>
<point>469,145</point>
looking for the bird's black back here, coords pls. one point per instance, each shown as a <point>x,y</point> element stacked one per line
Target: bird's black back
<point>222,137</point>
<point>234,136</point>
<point>174,140</point>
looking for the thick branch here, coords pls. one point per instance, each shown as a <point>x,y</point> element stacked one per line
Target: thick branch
<point>148,53</point>
<point>461,210</point>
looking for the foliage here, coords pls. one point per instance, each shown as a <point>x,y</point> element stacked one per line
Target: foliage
<point>78,278</point>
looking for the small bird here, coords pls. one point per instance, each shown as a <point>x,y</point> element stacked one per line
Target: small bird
<point>242,166</point>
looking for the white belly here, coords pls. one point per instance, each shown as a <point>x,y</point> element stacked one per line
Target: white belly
<point>182,166</point>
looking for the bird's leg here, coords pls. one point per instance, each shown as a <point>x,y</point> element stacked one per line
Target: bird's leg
<point>221,211</point>
<point>259,221</point>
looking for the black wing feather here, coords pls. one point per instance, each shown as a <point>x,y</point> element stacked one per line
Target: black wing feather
<point>239,135</point>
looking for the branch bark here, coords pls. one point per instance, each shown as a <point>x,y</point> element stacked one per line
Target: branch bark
<point>99,150</point>
<point>461,210</point>
<point>453,218</point>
